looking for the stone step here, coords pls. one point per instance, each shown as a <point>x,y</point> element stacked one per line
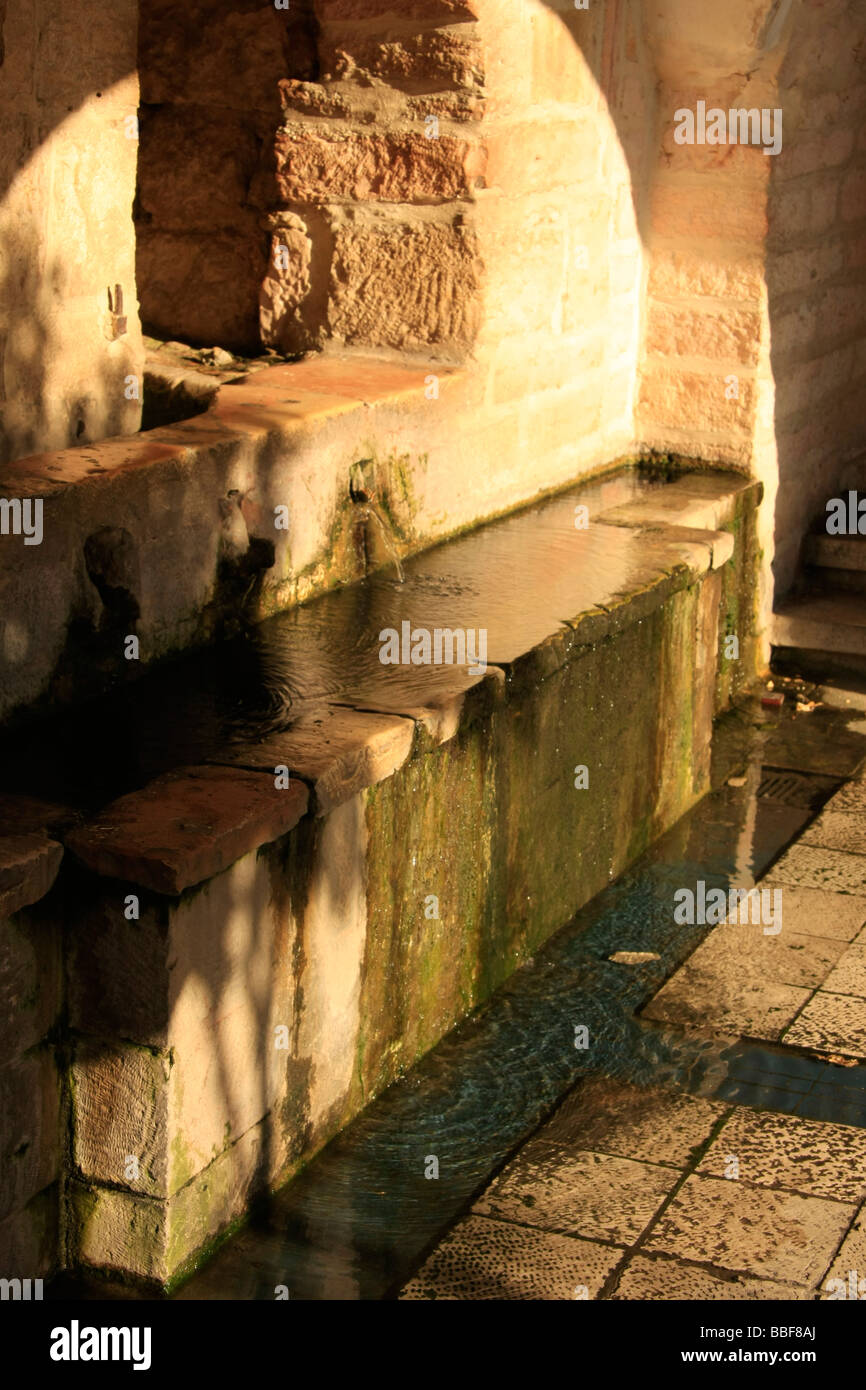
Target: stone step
<point>836,563</point>
<point>827,630</point>
<point>836,552</point>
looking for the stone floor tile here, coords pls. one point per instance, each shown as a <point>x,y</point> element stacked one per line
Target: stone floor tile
<point>586,1194</point>
<point>614,1117</point>
<point>848,976</point>
<point>835,829</point>
<point>663,1279</point>
<point>484,1259</point>
<point>851,797</point>
<point>784,1151</point>
<point>696,997</point>
<point>744,953</point>
<point>777,1235</point>
<point>851,1259</point>
<point>831,1023</point>
<point>817,912</point>
<point>812,867</point>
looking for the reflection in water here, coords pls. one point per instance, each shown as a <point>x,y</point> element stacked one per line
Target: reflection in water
<point>521,579</point>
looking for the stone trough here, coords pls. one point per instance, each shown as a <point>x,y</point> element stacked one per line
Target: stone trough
<point>253,912</point>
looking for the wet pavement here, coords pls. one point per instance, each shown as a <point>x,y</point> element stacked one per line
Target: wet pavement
<point>739,1174</point>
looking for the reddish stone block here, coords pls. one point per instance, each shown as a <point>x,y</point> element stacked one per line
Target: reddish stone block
<point>429,59</point>
<point>340,751</point>
<point>28,867</point>
<point>349,377</point>
<point>187,826</point>
<point>315,168</point>
<point>430,11</point>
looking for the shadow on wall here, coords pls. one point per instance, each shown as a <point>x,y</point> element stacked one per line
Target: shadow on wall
<point>67,82</point>
<point>210,108</point>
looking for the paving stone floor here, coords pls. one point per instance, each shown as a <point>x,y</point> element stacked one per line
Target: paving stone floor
<point>651,1193</point>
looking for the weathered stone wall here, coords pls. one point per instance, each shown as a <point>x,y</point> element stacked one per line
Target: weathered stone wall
<point>31,1142</point>
<point>568,137</point>
<point>210,109</point>
<point>456,180</point>
<point>68,102</point>
<point>30,1137</point>
<point>816,272</point>
<point>755,303</point>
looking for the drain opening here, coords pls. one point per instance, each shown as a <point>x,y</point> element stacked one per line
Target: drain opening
<point>805,790</point>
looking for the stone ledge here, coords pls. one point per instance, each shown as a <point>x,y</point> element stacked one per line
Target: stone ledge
<point>699,502</point>
<point>338,751</point>
<point>29,864</point>
<point>187,826</point>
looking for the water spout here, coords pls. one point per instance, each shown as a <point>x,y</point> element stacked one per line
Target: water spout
<point>363,494</point>
<point>371,512</point>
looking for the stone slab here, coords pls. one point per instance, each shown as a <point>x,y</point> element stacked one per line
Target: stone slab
<point>592,1195</point>
<point>338,751</point>
<point>699,501</point>
<point>848,976</point>
<point>850,1259</point>
<point>705,997</point>
<point>784,1151</point>
<point>851,798</point>
<point>612,1117</point>
<point>818,912</point>
<point>485,1259</point>
<point>831,1023</point>
<point>773,1235</point>
<point>813,867</point>
<point>663,1279</point>
<point>187,826</point>
<point>29,864</point>
<point>842,830</point>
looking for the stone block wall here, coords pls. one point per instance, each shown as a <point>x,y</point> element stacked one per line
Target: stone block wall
<point>816,273</point>
<point>31,1097</point>
<point>752,353</point>
<point>460,182</point>
<point>68,343</point>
